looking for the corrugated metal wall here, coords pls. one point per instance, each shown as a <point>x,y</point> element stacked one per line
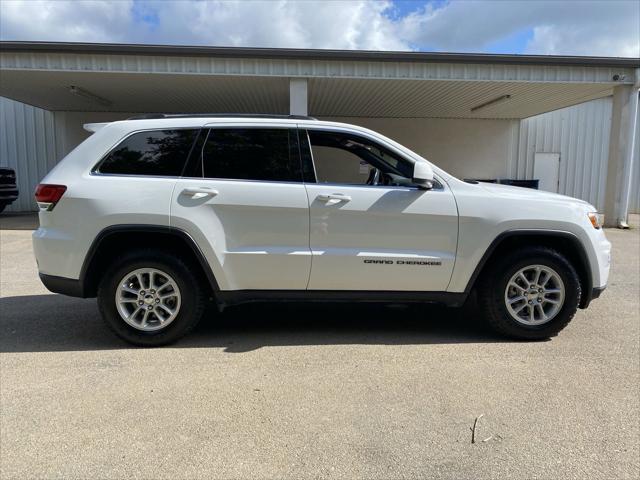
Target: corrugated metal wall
<point>28,145</point>
<point>580,134</point>
<point>634,202</point>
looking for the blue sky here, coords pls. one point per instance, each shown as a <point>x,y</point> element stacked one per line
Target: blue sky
<point>577,27</point>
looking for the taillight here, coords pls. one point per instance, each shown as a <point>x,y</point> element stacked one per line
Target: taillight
<point>48,196</point>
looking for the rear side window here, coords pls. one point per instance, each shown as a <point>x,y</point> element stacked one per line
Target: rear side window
<point>267,154</point>
<point>157,152</point>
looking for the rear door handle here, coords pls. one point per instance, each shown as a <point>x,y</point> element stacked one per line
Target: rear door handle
<point>200,192</point>
<point>334,198</point>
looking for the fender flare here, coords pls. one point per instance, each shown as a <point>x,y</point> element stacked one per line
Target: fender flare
<point>141,228</point>
<point>587,294</point>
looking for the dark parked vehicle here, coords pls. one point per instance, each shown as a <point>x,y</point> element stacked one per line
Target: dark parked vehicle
<point>8,187</point>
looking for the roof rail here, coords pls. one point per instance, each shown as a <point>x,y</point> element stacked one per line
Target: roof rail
<point>153,116</point>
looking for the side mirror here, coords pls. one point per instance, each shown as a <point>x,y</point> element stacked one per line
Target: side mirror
<point>423,175</point>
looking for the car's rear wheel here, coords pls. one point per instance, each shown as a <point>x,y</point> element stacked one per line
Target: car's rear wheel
<point>530,294</point>
<point>150,298</point>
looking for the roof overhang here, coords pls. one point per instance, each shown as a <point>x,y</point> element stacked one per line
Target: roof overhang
<point>314,54</point>
<point>151,78</point>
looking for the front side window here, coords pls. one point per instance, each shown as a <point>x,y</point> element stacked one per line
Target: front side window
<point>350,159</point>
<point>157,152</point>
<point>266,154</point>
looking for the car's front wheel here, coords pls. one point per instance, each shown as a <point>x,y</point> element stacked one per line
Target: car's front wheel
<point>530,294</point>
<point>150,298</point>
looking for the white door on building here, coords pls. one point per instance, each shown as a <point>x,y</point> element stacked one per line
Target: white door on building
<point>546,168</point>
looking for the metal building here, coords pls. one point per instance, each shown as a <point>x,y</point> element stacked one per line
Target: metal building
<point>474,115</point>
<point>578,137</point>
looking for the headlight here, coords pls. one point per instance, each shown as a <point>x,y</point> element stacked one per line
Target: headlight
<point>596,219</point>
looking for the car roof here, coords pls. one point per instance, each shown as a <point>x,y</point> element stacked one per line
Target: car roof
<point>169,121</point>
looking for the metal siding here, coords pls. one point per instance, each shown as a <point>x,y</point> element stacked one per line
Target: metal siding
<point>442,99</point>
<point>425,70</point>
<point>28,145</point>
<point>634,203</point>
<point>580,134</point>
<point>393,89</point>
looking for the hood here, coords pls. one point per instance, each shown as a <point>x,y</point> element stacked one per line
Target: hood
<point>509,191</point>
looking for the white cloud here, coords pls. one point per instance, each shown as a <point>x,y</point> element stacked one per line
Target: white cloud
<point>310,24</point>
<point>95,21</point>
<point>607,29</point>
<point>610,28</point>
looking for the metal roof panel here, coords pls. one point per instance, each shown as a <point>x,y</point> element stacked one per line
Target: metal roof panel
<point>316,54</point>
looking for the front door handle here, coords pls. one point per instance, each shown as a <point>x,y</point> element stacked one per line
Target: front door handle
<point>333,198</point>
<point>200,192</point>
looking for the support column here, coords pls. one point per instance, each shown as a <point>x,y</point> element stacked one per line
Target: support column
<point>298,96</point>
<point>621,145</point>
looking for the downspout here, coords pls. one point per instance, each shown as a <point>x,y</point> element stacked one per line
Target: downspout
<point>623,212</point>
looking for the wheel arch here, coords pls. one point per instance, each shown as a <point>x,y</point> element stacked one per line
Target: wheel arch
<point>566,243</point>
<point>112,239</point>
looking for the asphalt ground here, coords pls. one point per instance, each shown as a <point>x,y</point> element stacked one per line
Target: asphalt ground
<point>316,391</point>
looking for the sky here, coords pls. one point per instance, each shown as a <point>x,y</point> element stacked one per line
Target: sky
<point>545,27</point>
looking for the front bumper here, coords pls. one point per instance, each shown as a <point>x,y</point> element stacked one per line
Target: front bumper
<point>597,291</point>
<point>591,295</point>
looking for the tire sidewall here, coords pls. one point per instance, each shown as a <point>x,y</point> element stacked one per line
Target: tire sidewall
<point>572,292</point>
<point>183,322</point>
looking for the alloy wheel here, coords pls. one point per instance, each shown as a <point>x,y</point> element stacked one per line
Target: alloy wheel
<point>148,299</point>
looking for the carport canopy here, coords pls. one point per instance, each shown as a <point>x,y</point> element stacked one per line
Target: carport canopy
<point>75,77</point>
<point>148,78</point>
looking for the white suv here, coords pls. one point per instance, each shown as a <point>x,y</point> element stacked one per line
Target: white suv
<point>158,214</point>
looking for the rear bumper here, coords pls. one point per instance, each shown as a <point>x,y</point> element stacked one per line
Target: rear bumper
<point>65,286</point>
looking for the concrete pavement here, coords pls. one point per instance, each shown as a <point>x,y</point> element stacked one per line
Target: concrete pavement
<point>316,391</point>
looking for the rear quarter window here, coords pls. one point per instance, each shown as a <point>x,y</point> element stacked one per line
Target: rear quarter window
<point>155,152</point>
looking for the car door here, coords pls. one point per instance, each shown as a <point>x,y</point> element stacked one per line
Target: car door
<point>243,201</point>
<point>374,237</point>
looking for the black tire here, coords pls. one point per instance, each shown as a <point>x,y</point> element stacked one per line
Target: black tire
<point>192,297</point>
<point>2,207</point>
<point>491,293</point>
